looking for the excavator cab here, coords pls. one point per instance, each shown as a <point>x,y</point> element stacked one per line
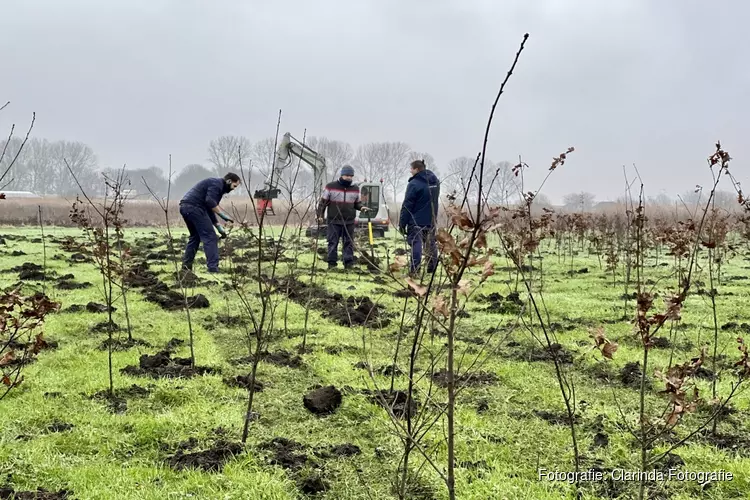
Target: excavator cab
<point>264,201</point>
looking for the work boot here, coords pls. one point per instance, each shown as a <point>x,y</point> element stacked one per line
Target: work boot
<point>348,265</point>
<point>332,265</point>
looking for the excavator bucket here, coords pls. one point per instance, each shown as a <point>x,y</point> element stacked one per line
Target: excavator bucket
<point>264,207</point>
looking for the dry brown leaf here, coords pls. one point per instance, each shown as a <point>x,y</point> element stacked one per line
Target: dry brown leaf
<point>464,287</point>
<point>440,306</point>
<point>7,358</point>
<point>489,270</point>
<point>420,290</point>
<point>398,264</point>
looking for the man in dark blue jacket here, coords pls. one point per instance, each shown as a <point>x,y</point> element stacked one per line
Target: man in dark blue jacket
<point>199,207</point>
<point>419,215</point>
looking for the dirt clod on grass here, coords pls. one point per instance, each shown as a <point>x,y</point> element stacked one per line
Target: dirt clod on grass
<point>120,345</point>
<point>243,381</point>
<point>210,460</point>
<point>162,365</point>
<point>555,418</point>
<point>466,379</point>
<point>94,307</point>
<point>323,400</point>
<point>171,300</point>
<point>72,285</point>
<point>40,494</point>
<point>286,453</point>
<point>631,374</point>
<point>280,358</point>
<point>393,400</point>
<point>104,327</point>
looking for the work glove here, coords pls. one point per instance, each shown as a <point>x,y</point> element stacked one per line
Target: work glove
<point>222,232</point>
<point>226,217</point>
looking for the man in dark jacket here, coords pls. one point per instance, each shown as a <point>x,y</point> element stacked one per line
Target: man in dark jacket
<point>418,218</point>
<point>342,200</point>
<point>199,208</point>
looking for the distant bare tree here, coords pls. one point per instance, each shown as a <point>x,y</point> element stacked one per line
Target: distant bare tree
<point>336,153</point>
<point>8,159</point>
<point>582,201</point>
<point>81,160</point>
<point>497,175</point>
<point>224,153</point>
<point>187,178</point>
<point>384,160</point>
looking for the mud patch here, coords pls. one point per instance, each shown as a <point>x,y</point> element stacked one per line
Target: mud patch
<point>497,304</point>
<point>72,285</point>
<point>162,365</point>
<point>543,353</point>
<point>28,271</point>
<point>466,379</point>
<point>323,400</point>
<point>556,418</point>
<point>104,327</point>
<point>210,460</point>
<point>94,307</point>
<point>286,453</point>
<point>40,494</point>
<point>171,300</point>
<point>282,358</point>
<point>117,402</point>
<point>396,401</point>
<point>356,311</point>
<point>631,374</point>
<point>243,381</point>
<point>734,443</point>
<point>120,345</point>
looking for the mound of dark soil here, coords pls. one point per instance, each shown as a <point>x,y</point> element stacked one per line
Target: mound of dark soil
<point>281,358</point>
<point>162,365</point>
<point>139,276</point>
<point>210,460</point>
<point>466,379</point>
<point>174,301</point>
<point>17,253</point>
<point>123,344</point>
<point>395,400</point>
<point>312,484</point>
<point>731,442</point>
<point>545,353</point>
<point>225,320</point>
<point>28,271</point>
<point>243,381</point>
<point>40,494</point>
<point>555,418</point>
<point>631,374</point>
<point>72,285</point>
<point>661,342</point>
<point>497,304</point>
<point>94,307</point>
<point>79,258</point>
<point>286,453</point>
<point>117,402</point>
<point>323,400</point>
<point>173,344</point>
<point>354,311</point>
<point>104,327</point>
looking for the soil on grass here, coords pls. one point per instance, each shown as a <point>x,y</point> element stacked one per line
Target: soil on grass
<point>631,374</point>
<point>28,271</point>
<point>210,460</point>
<point>466,379</point>
<point>224,320</point>
<point>171,300</point>
<point>140,276</point>
<point>395,400</point>
<point>556,418</point>
<point>105,326</point>
<point>72,285</point>
<point>323,400</point>
<point>40,494</point>
<point>281,358</point>
<point>17,253</point>
<point>173,344</point>
<point>79,258</point>
<point>123,344</point>
<point>243,381</point>
<point>94,307</point>
<point>162,365</point>
<point>349,311</point>
<point>497,304</point>
<point>293,456</point>
<point>117,402</point>
<point>736,443</point>
<point>542,353</point>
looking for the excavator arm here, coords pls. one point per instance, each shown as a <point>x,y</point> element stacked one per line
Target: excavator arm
<point>289,149</point>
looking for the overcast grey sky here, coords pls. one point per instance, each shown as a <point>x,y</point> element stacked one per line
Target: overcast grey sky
<point>654,83</point>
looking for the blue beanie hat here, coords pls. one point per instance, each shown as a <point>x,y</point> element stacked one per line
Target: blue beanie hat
<point>347,170</point>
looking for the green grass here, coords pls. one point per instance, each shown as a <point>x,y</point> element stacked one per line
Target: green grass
<point>124,456</point>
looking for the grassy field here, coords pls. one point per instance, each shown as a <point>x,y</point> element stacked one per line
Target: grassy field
<point>507,428</point>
